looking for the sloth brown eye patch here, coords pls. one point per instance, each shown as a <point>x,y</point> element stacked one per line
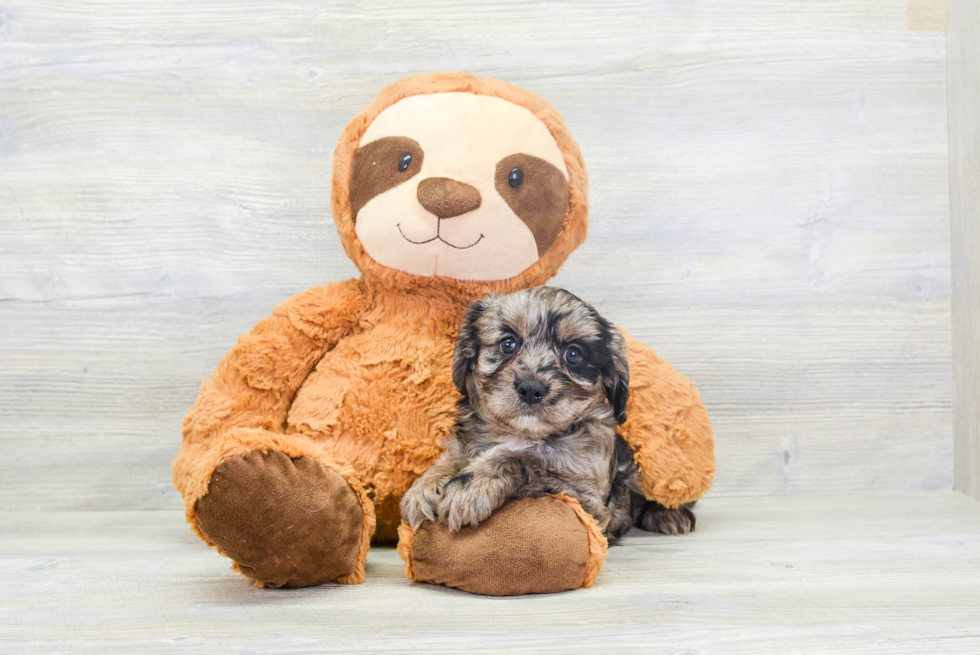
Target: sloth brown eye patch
<point>382,165</point>
<point>537,192</point>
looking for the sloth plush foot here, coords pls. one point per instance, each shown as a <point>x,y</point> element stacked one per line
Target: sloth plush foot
<point>285,522</point>
<point>654,517</point>
<point>528,546</point>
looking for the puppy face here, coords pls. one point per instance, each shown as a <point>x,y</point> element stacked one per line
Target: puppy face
<point>538,360</point>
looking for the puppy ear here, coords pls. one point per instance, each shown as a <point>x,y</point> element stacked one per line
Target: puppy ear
<point>616,373</point>
<point>467,345</point>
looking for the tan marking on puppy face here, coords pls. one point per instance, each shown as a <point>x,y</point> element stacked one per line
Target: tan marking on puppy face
<point>377,166</point>
<point>540,199</point>
<point>464,138</point>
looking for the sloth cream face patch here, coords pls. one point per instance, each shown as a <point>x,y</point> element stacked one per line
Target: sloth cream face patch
<point>458,185</point>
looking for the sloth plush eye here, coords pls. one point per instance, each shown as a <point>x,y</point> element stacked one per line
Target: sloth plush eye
<point>508,346</point>
<point>573,355</point>
<point>404,162</point>
<point>516,178</point>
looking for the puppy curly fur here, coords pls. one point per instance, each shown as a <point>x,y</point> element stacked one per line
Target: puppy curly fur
<point>544,382</point>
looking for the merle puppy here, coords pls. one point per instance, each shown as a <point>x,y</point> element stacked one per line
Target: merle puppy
<point>545,381</point>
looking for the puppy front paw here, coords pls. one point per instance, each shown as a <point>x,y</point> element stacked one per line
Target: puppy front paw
<point>464,503</point>
<point>654,517</point>
<point>420,503</point>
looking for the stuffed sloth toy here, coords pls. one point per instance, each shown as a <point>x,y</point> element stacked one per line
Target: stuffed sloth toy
<point>305,437</point>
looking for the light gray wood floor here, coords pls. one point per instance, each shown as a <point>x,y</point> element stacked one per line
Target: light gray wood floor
<point>897,573</point>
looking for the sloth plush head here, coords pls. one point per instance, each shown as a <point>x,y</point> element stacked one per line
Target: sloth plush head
<point>460,186</point>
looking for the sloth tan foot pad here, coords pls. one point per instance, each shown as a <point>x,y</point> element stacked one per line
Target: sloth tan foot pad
<point>528,546</point>
<point>285,522</point>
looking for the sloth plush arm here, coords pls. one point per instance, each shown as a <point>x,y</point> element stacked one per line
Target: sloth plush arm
<point>254,385</point>
<point>668,429</point>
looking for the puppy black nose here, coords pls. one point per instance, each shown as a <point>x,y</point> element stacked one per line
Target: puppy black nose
<point>531,391</point>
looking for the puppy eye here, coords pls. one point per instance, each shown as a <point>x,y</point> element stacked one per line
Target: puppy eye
<point>516,178</point>
<point>404,162</point>
<point>573,355</point>
<point>508,346</point>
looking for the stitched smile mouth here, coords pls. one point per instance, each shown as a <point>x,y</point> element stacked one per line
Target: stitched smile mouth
<point>451,245</point>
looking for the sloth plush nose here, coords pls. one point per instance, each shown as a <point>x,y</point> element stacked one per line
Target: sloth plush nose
<point>447,198</point>
<point>531,391</point>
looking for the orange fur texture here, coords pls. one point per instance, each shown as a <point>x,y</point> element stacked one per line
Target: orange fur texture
<point>356,374</point>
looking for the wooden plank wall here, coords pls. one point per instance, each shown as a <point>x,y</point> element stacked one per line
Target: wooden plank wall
<point>963,50</point>
<point>769,192</point>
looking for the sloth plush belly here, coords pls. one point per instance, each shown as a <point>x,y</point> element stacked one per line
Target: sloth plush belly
<point>382,401</point>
